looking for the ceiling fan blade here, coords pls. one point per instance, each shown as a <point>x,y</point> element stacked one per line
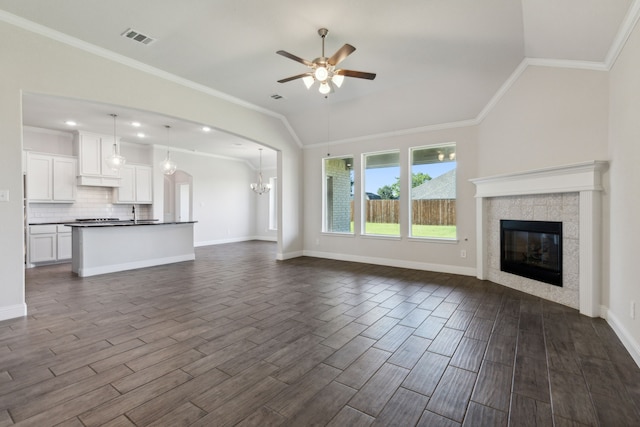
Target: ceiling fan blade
<point>299,76</point>
<point>357,74</point>
<point>295,58</point>
<point>341,54</point>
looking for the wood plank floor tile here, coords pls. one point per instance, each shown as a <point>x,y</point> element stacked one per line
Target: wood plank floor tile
<point>183,415</point>
<point>404,409</point>
<point>571,398</point>
<point>375,394</point>
<point>451,397</point>
<point>531,378</point>
<point>484,416</point>
<point>446,342</point>
<point>426,374</point>
<point>342,358</point>
<point>469,354</point>
<point>429,419</point>
<point>306,341</point>
<point>125,402</point>
<point>323,407</point>
<point>359,372</point>
<point>408,354</point>
<point>494,386</point>
<point>352,418</point>
<point>165,403</point>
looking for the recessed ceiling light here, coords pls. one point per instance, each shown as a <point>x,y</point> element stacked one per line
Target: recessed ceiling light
<point>141,135</point>
<point>135,124</point>
<point>70,123</point>
<point>206,129</point>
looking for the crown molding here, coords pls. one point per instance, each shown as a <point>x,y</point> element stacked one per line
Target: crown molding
<point>628,24</point>
<point>50,33</point>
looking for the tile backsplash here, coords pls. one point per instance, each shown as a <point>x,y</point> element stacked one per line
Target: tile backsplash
<point>91,202</point>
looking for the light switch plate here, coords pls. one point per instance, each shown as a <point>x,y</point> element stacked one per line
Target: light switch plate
<point>4,195</point>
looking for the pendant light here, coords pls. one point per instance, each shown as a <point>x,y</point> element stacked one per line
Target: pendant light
<point>168,166</point>
<point>115,161</point>
<point>260,187</point>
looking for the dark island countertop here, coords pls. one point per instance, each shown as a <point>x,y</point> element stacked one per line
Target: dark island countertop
<point>127,223</point>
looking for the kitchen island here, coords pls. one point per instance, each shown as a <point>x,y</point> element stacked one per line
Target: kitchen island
<point>107,247</point>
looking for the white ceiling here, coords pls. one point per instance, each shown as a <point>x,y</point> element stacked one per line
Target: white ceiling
<point>437,61</point>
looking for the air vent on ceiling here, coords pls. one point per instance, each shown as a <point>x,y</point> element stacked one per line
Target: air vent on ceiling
<point>276,96</point>
<point>138,36</point>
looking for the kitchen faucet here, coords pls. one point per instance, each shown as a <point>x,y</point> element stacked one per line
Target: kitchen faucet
<point>133,211</point>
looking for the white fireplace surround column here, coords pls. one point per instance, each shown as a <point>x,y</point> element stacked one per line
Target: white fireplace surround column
<point>583,178</point>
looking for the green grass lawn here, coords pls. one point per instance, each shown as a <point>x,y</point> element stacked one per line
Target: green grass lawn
<point>435,231</point>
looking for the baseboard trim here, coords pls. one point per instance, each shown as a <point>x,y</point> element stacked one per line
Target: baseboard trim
<point>86,272</point>
<point>289,255</point>
<point>414,265</point>
<point>632,346</point>
<point>13,311</point>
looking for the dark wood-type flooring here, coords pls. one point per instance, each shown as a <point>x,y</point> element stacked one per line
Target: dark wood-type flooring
<point>237,338</point>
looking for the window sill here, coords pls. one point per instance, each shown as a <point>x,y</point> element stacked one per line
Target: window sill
<point>337,234</point>
<point>433,240</point>
<point>380,237</point>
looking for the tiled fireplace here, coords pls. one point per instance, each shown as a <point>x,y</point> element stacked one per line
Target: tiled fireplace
<point>570,195</point>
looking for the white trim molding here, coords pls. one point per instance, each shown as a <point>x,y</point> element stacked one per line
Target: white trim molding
<point>584,178</point>
<point>13,311</point>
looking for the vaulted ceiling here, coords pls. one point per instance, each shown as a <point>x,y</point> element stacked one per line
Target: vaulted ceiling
<point>437,61</point>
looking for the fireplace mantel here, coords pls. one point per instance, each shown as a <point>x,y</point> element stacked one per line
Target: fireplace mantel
<point>584,178</point>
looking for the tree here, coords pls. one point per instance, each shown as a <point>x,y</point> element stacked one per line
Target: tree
<point>393,191</point>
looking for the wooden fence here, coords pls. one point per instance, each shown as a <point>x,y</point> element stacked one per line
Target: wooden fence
<point>423,212</point>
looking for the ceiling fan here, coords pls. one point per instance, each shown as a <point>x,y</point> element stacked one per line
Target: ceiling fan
<point>324,69</point>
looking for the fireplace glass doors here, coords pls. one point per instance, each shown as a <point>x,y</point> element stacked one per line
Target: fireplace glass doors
<point>532,249</point>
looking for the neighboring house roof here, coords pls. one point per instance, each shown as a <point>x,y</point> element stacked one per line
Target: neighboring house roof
<point>440,187</point>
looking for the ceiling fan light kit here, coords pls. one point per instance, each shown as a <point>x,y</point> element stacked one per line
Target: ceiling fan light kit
<point>323,69</point>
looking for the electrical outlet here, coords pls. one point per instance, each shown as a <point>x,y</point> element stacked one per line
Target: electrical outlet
<point>4,195</point>
<point>463,253</point>
<point>632,309</point>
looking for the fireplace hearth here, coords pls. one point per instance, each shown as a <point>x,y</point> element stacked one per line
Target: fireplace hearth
<point>532,249</point>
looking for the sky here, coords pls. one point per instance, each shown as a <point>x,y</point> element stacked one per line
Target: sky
<point>379,177</point>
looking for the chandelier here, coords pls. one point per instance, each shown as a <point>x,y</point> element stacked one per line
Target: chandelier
<point>260,187</point>
<point>115,161</point>
<point>168,166</point>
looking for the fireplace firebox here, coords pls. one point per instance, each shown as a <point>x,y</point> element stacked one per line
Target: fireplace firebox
<point>532,249</point>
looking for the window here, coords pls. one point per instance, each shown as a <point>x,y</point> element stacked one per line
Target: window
<point>338,195</point>
<point>433,192</point>
<point>382,193</point>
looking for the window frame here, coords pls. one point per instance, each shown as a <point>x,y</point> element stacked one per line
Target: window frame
<point>325,225</point>
<point>437,146</point>
<point>363,193</point>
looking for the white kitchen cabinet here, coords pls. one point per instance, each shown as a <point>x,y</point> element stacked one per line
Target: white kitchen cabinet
<point>63,243</point>
<point>51,178</point>
<point>136,185</point>
<point>49,243</point>
<point>43,243</point>
<point>93,150</point>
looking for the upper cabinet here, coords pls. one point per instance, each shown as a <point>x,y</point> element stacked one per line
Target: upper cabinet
<point>93,150</point>
<point>51,178</point>
<point>135,185</point>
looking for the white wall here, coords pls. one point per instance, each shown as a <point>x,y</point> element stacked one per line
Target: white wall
<point>37,64</point>
<point>549,117</point>
<point>403,252</point>
<point>262,231</point>
<point>624,150</point>
<point>223,204</point>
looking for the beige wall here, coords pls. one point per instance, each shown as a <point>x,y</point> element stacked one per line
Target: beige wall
<point>624,151</point>
<point>36,64</point>
<point>549,117</point>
